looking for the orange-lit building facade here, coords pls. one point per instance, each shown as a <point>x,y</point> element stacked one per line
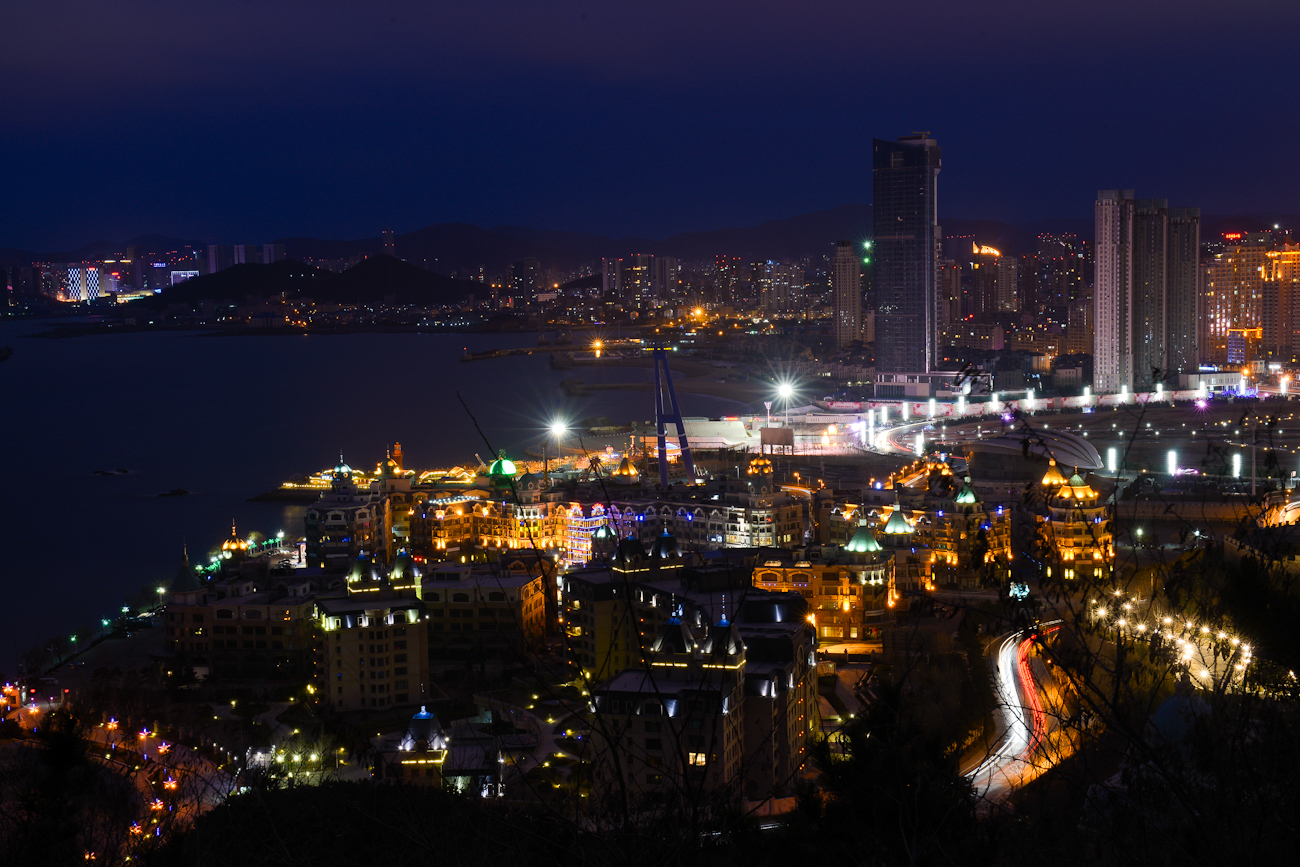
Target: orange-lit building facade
<point>1251,304</point>
<point>1076,529</point>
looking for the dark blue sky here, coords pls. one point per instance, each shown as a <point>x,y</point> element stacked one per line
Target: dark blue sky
<point>246,121</point>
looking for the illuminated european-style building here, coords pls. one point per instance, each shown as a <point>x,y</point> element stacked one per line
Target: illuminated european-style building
<point>507,513</point>
<point>395,505</point>
<point>1076,528</point>
<point>598,603</point>
<point>967,543</point>
<point>747,512</point>
<point>849,588</point>
<point>341,524</point>
<point>418,755</point>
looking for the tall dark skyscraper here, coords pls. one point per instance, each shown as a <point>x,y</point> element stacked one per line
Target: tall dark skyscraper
<point>1183,350</point>
<point>906,241</point>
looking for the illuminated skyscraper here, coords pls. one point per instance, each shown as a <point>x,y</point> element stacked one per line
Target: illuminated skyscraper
<point>985,282</point>
<point>949,307</point>
<point>846,286</point>
<point>1148,294</point>
<point>1252,287</point>
<point>780,286</point>
<point>1113,213</point>
<point>1009,284</point>
<point>1060,270</point>
<point>636,283</point>
<point>906,246</point>
<point>1145,291</point>
<point>524,278</point>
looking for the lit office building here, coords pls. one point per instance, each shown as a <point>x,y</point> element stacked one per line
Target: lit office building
<point>846,280</point>
<point>906,251</point>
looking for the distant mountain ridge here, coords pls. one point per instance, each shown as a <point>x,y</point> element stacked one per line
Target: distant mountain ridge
<point>463,248</point>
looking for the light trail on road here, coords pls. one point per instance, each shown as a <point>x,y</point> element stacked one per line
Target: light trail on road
<point>1023,715</point>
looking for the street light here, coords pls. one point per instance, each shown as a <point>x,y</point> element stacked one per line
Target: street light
<point>558,428</point>
<point>786,391</point>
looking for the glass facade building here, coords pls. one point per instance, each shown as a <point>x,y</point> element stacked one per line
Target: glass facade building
<point>906,242</point>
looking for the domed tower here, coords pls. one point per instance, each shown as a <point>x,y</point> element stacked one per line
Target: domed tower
<point>341,478</point>
<point>363,568</point>
<point>186,587</point>
<point>1078,531</point>
<point>501,471</point>
<point>1052,478</point>
<point>529,488</point>
<point>604,541</point>
<point>897,525</point>
<point>404,568</point>
<point>863,541</point>
<point>967,495</point>
<point>234,548</point>
<point>424,734</point>
<point>665,547</point>
<point>627,473</point>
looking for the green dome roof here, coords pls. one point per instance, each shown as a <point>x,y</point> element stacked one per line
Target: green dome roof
<point>897,525</point>
<point>863,541</point>
<point>967,494</point>
<point>502,466</point>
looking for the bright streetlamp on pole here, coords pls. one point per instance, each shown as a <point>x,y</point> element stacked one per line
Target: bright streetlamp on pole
<point>786,392</point>
<point>558,429</point>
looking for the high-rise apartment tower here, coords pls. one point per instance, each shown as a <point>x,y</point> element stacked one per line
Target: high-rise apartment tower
<point>1145,291</point>
<point>905,178</point>
<point>846,286</point>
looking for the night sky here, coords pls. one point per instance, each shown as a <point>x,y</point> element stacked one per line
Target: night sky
<point>248,121</point>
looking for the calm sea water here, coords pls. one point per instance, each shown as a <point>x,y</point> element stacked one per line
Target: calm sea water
<point>227,418</point>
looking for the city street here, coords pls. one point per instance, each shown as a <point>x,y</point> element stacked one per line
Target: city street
<point>1022,721</point>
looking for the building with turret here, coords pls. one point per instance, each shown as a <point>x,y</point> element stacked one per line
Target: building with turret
<point>1076,529</point>
<point>674,729</point>
<point>248,622</point>
<point>341,524</point>
<point>394,505</point>
<point>850,589</point>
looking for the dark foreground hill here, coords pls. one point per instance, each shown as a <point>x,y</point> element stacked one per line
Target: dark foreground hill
<point>374,280</point>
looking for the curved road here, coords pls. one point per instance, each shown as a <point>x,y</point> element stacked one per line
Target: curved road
<point>1024,720</point>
